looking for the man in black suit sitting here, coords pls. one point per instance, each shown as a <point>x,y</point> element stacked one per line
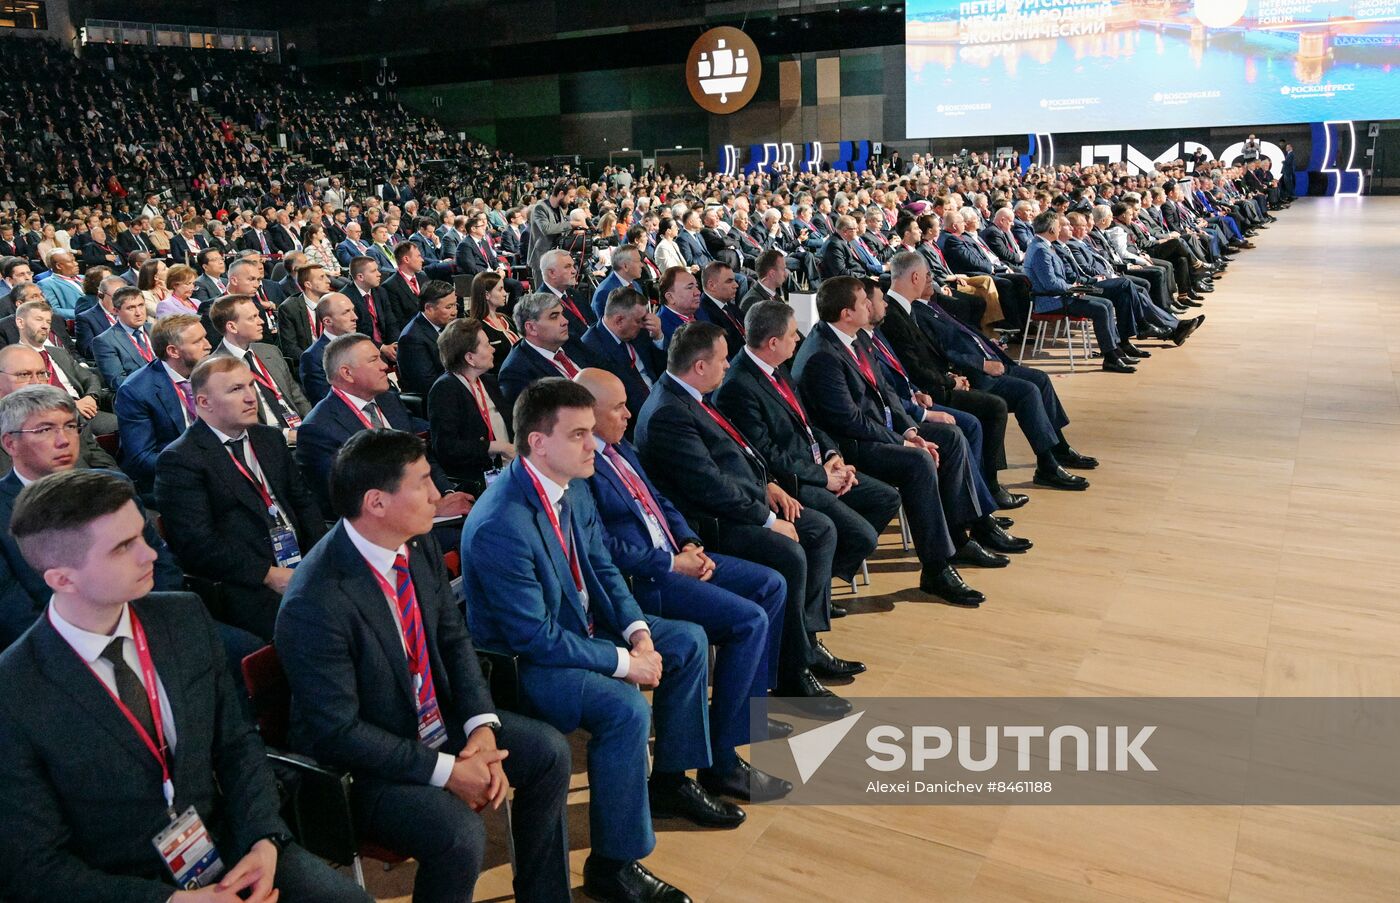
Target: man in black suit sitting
<point>235,508</point>
<point>543,350</point>
<point>419,362</point>
<point>627,342</point>
<point>92,768</point>
<point>386,683</point>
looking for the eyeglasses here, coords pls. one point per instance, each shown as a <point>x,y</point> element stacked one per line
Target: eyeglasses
<point>46,431</point>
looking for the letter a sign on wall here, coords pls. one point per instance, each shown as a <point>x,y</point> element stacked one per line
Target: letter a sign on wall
<point>722,70</point>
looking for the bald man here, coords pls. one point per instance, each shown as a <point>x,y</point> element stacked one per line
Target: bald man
<point>738,604</point>
<point>64,289</point>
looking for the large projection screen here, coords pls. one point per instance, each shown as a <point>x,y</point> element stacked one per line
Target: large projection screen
<point>1000,67</point>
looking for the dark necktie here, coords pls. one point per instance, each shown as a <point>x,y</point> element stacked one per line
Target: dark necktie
<point>130,690</point>
<point>235,447</point>
<point>375,418</point>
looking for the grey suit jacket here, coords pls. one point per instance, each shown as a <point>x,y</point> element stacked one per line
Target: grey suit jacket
<point>276,366</point>
<point>546,224</point>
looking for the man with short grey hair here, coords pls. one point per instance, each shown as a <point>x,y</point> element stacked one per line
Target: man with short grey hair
<point>541,353</point>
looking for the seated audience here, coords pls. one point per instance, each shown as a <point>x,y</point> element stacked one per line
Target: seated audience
<point>469,423</point>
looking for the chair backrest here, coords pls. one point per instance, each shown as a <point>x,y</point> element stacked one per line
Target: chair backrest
<point>110,443</point>
<point>462,284</point>
<point>270,694</point>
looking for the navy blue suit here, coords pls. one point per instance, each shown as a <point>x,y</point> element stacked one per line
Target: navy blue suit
<point>670,322</point>
<point>313,370</point>
<point>740,607</point>
<point>521,599</point>
<point>693,250</point>
<point>116,355</point>
<point>606,287</point>
<point>637,377</point>
<point>91,323</point>
<point>330,423</point>
<point>419,362</point>
<point>1028,392</point>
<point>727,317</point>
<point>523,366</point>
<point>150,416</point>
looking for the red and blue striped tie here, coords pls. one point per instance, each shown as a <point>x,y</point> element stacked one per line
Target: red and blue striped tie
<point>412,621</point>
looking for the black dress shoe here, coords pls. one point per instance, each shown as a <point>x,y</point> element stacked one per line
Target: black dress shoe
<point>1005,523</point>
<point>1059,478</point>
<point>1119,364</point>
<point>1153,332</point>
<point>1066,456</point>
<point>688,800</point>
<point>1008,501</point>
<point>631,883</point>
<point>974,555</point>
<point>993,537</point>
<point>839,611</point>
<point>1177,309</point>
<point>825,664</point>
<point>744,782</point>
<point>1192,302</point>
<point>777,730</point>
<point>1186,327</point>
<point>947,584</point>
<point>1132,351</point>
<point>809,697</point>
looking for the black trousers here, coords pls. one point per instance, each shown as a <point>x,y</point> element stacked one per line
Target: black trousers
<point>1015,293</point>
<point>448,839</point>
<point>990,412</point>
<point>302,878</point>
<point>957,485</point>
<point>913,473</point>
<point>805,565</point>
<point>966,308</point>
<point>860,516</point>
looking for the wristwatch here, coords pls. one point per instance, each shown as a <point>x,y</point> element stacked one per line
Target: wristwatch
<point>280,841</point>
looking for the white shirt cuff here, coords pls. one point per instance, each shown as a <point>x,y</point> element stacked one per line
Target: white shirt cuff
<point>477,721</point>
<point>633,628</point>
<point>624,663</point>
<point>672,567</point>
<point>442,770</point>
<point>772,519</point>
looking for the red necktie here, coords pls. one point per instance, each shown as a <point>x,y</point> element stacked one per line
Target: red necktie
<point>566,366</point>
<point>865,369</point>
<point>53,374</point>
<point>187,396</point>
<point>639,491</point>
<point>373,317</point>
<point>415,642</point>
<point>412,282</point>
<point>568,302</point>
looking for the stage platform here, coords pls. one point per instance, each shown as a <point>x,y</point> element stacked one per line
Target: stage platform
<point>1239,539</point>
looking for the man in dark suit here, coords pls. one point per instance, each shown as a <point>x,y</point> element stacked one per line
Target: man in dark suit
<point>134,238</point>
<point>281,402</point>
<point>187,243</point>
<point>386,683</point>
<point>360,399</point>
<point>739,604</point>
<point>849,398</point>
<point>374,316</point>
<point>1021,230</point>
<point>837,257</point>
<point>401,289</point>
<point>627,342</point>
<point>543,350</point>
<point>419,362</point>
<point>719,303</point>
<point>561,281</point>
<point>1029,394</point>
<point>760,398</point>
<point>999,236</point>
<point>245,277</point>
<point>98,318</point>
<point>968,255</point>
<point>690,243</point>
<point>430,246</point>
<point>33,325</point>
<point>235,508</point>
<point>541,585</point>
<point>257,239</point>
<point>710,470</point>
<point>112,672</point>
<point>124,347</point>
<point>39,436</point>
<point>626,270</point>
<point>772,273</point>
<point>336,315</point>
<point>297,326</point>
<point>211,283</point>
<point>284,236</point>
<point>155,404</point>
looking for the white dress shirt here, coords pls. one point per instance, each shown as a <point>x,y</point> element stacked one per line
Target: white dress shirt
<point>175,377</point>
<point>382,560</point>
<point>554,492</point>
<point>89,647</point>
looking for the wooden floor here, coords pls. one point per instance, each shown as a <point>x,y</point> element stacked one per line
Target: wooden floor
<point>1239,539</point>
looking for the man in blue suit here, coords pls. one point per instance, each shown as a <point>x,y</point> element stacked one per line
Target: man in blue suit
<point>627,341</point>
<point>359,399</point>
<point>98,318</point>
<point>412,724</point>
<point>680,301</point>
<point>626,270</point>
<point>738,603</point>
<point>156,403</point>
<point>126,346</point>
<point>691,244</point>
<point>337,316</point>
<point>64,289</point>
<point>353,246</point>
<point>541,585</point>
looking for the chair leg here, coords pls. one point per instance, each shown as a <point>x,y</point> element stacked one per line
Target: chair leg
<point>904,538</point>
<point>1069,342</point>
<point>510,837</point>
<point>865,572</point>
<point>359,869</point>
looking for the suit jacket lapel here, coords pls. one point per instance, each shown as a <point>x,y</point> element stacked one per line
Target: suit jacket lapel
<point>359,585</point>
<point>167,654</point>
<point>551,542</point>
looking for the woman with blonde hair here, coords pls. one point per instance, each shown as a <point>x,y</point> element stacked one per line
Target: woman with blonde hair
<point>159,238</point>
<point>179,284</point>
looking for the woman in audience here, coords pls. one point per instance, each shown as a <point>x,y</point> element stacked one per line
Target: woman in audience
<point>179,283</point>
<point>489,297</point>
<point>667,253</point>
<point>319,251</point>
<point>159,238</point>
<point>48,243</point>
<point>468,419</point>
<point>151,281</point>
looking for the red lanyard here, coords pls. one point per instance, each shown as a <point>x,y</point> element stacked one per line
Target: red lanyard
<point>887,355</point>
<point>257,484</point>
<point>791,399</point>
<point>728,428</point>
<point>354,407</point>
<point>479,396</point>
<point>863,365</point>
<point>262,378</point>
<point>146,354</point>
<point>156,746</point>
<point>569,551</point>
